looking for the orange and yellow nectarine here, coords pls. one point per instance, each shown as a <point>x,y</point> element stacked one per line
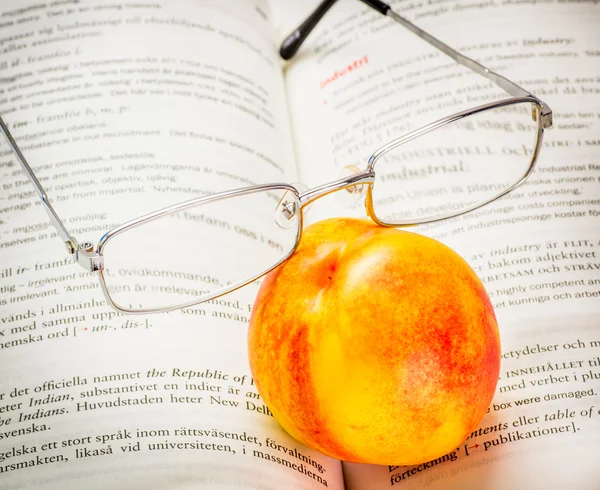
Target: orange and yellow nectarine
<point>374,345</point>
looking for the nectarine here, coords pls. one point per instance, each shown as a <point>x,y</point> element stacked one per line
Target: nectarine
<point>374,345</point>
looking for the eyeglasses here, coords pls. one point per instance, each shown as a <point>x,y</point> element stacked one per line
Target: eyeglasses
<point>206,247</point>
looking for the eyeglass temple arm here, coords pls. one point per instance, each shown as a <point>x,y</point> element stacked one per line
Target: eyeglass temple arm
<point>82,253</point>
<point>292,43</point>
<point>70,242</point>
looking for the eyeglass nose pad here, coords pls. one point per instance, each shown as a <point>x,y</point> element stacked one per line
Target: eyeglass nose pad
<point>287,210</point>
<point>350,196</point>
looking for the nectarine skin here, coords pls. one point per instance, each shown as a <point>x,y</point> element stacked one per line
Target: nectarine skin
<point>374,345</point>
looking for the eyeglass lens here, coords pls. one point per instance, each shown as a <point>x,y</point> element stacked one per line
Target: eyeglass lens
<point>455,167</point>
<point>197,252</point>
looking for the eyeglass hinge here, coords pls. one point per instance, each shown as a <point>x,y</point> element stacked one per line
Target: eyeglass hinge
<point>546,117</point>
<point>89,259</point>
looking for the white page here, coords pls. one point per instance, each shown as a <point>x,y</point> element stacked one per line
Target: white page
<point>536,250</point>
<point>121,109</point>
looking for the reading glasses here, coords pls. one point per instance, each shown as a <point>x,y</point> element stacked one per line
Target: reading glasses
<point>197,250</point>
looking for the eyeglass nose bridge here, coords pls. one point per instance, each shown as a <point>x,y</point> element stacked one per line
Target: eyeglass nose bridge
<point>286,212</point>
<point>357,177</point>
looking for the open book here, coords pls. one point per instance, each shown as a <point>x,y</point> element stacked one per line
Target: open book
<point>125,107</point>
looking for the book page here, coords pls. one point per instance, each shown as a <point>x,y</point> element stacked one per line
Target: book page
<point>122,108</point>
<point>368,80</point>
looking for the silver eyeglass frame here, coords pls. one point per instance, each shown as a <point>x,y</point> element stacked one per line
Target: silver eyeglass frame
<point>91,257</point>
